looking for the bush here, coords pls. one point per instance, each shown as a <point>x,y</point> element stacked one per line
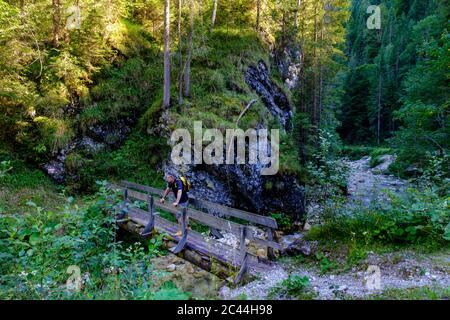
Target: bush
<point>294,286</point>
<point>138,160</point>
<point>285,222</point>
<point>327,174</point>
<point>355,152</point>
<point>36,251</point>
<point>420,218</point>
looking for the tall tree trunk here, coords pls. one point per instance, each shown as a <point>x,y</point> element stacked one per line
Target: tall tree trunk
<point>315,98</point>
<point>380,81</point>
<point>56,21</point>
<point>180,52</point>
<point>187,73</point>
<point>258,14</point>
<point>321,76</point>
<point>297,13</point>
<point>213,17</point>
<point>166,98</point>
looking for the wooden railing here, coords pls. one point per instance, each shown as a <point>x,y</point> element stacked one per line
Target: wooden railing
<point>210,219</point>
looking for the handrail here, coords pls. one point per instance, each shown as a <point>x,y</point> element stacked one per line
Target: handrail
<point>207,219</point>
<point>207,205</point>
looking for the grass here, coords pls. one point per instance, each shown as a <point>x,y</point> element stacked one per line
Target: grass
<point>421,293</point>
<point>355,152</point>
<point>294,286</point>
<point>22,184</point>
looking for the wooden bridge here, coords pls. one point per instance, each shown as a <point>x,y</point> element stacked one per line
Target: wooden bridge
<point>206,252</point>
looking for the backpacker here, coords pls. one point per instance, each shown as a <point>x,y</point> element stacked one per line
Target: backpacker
<point>186,184</point>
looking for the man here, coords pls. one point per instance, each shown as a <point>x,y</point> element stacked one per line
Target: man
<point>181,194</point>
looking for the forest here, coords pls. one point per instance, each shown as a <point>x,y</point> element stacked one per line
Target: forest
<point>91,91</point>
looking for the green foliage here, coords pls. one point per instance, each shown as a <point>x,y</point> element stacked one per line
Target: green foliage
<point>37,249</point>
<point>421,218</point>
<point>169,291</point>
<point>325,264</point>
<point>420,293</point>
<point>327,180</point>
<point>155,245</point>
<point>356,152</point>
<point>398,81</point>
<point>285,222</point>
<point>294,286</point>
<point>5,167</point>
<point>139,160</point>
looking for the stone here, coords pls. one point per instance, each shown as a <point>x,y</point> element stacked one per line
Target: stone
<point>190,269</point>
<point>301,246</point>
<point>261,253</point>
<point>171,267</point>
<point>307,227</point>
<point>273,97</point>
<point>224,292</point>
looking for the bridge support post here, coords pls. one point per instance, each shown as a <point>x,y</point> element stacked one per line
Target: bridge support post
<point>243,256</point>
<point>270,252</point>
<point>183,239</point>
<point>123,212</point>
<point>151,224</point>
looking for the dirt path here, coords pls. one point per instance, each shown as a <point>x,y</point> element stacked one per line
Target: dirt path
<point>398,270</point>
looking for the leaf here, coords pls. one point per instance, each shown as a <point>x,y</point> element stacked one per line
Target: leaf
<point>34,239</point>
<point>31,204</point>
<point>447,232</point>
<point>170,294</point>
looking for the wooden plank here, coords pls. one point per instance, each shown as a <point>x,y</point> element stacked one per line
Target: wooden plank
<point>143,188</point>
<point>209,220</point>
<point>151,223</point>
<point>195,240</point>
<point>210,206</point>
<point>198,250</point>
<point>236,213</point>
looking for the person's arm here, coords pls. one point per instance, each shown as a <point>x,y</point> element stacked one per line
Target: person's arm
<point>166,192</point>
<point>180,192</point>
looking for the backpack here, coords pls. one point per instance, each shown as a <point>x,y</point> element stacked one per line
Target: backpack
<point>186,184</point>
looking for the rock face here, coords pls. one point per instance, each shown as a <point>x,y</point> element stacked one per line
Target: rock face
<point>294,245</point>
<point>242,186</point>
<point>288,61</point>
<point>97,138</point>
<point>258,78</point>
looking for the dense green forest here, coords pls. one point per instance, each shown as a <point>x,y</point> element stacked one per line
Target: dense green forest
<point>90,91</point>
<point>396,88</point>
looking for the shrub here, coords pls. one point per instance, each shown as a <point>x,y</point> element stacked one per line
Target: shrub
<point>355,152</point>
<point>327,174</point>
<point>285,222</point>
<point>37,249</point>
<point>5,167</point>
<point>294,286</point>
<point>420,218</point>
